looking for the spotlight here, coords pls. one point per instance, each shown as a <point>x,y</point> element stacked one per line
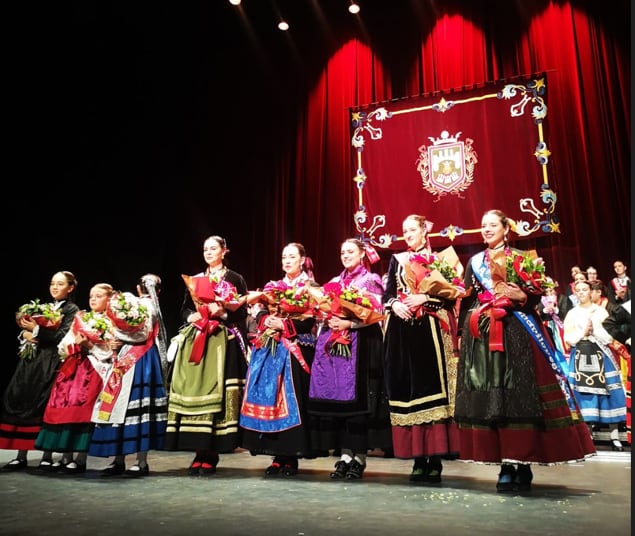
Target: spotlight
<point>353,8</point>
<point>283,25</point>
<point>234,2</point>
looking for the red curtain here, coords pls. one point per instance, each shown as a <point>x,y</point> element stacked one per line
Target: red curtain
<point>585,52</point>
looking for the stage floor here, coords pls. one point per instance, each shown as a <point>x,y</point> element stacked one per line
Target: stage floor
<point>593,497</point>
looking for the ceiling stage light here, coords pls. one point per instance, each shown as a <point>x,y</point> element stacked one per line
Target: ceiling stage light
<point>353,8</point>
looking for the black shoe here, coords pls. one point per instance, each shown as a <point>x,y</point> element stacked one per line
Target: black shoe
<point>523,478</point>
<point>355,470</point>
<point>137,471</point>
<point>616,445</point>
<point>290,467</point>
<point>419,470</point>
<point>52,467</point>
<point>341,468</point>
<point>389,453</point>
<point>433,470</point>
<point>14,465</point>
<point>114,469</point>
<point>207,469</point>
<point>506,478</point>
<point>73,468</point>
<point>274,468</point>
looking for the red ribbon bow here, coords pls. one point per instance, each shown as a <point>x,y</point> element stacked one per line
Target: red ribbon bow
<point>496,309</point>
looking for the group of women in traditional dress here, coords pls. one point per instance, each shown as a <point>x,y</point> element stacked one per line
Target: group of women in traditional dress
<point>95,383</point>
<point>430,363</point>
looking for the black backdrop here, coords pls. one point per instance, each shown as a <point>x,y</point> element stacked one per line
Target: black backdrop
<point>124,122</point>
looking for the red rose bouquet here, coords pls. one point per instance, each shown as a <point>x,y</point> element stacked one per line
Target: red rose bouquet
<point>126,312</point>
<point>527,271</point>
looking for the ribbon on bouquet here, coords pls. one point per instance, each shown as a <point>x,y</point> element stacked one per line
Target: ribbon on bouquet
<point>205,327</point>
<point>496,308</point>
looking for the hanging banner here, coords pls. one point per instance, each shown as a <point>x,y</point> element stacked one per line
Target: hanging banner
<point>450,156</point>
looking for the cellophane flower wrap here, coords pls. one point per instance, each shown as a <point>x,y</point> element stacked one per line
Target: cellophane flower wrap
<point>528,272</point>
<point>436,274</point>
<point>285,301</point>
<point>347,302</point>
<point>205,289</point>
<point>47,315</point>
<point>126,312</point>
<point>96,327</point>
<point>294,301</point>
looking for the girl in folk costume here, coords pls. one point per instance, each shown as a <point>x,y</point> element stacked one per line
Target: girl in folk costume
<point>210,363</point>
<point>348,406</point>
<point>86,352</point>
<point>420,355</point>
<point>28,391</point>
<point>131,410</point>
<point>513,404</point>
<point>279,369</point>
<point>550,314</point>
<point>594,371</point>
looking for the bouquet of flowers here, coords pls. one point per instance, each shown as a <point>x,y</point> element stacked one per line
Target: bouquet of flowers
<point>281,299</point>
<point>528,272</point>
<point>436,274</point>
<point>47,315</point>
<point>204,290</point>
<point>96,327</point>
<point>292,300</point>
<point>346,302</point>
<point>126,312</point>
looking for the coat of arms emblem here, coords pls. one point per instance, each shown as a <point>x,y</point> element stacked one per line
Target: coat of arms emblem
<point>447,166</point>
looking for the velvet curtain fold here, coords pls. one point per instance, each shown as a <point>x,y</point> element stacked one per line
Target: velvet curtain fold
<point>586,54</point>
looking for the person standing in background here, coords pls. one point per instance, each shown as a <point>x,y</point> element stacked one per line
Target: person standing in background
<point>620,288</point>
<point>420,360</point>
<point>511,405</point>
<point>210,365</point>
<point>594,373</point>
<point>279,370</point>
<point>348,406</point>
<point>28,391</point>
<point>131,414</point>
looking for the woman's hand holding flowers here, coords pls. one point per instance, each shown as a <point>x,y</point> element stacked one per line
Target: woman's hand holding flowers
<point>216,309</point>
<point>511,291</point>
<point>337,323</point>
<point>274,322</point>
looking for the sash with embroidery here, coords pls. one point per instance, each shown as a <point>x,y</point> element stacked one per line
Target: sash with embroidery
<point>126,359</point>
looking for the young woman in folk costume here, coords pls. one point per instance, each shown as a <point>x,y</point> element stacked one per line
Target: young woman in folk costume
<point>348,405</point>
<point>513,405</point>
<point>131,413</point>
<point>28,391</point>
<point>420,356</point>
<point>210,365</point>
<point>279,370</point>
<point>594,371</point>
<point>87,352</point>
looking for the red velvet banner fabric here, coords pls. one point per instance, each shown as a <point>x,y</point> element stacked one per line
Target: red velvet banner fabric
<point>448,156</point>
